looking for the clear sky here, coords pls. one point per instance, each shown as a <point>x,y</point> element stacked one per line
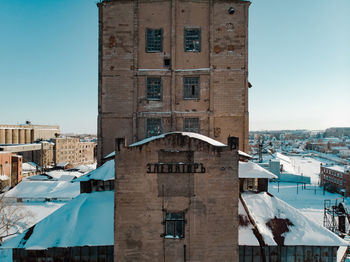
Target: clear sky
<point>299,63</point>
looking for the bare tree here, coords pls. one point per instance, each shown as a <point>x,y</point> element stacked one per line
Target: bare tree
<point>13,217</point>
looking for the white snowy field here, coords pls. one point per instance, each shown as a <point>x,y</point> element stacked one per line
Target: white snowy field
<point>309,201</point>
<point>305,166</point>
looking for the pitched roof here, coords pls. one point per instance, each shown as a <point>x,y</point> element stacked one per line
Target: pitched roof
<point>278,222</point>
<point>87,220</point>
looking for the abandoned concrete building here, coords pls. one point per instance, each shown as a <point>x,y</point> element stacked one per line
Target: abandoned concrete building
<point>172,65</point>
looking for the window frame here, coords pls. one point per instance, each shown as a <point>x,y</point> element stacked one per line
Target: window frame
<point>149,50</point>
<point>174,222</point>
<point>147,126</point>
<point>191,128</point>
<point>185,85</point>
<point>160,87</point>
<point>186,40</point>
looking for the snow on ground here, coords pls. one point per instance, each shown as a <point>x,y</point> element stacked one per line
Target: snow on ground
<point>300,165</point>
<point>309,201</point>
<point>308,167</point>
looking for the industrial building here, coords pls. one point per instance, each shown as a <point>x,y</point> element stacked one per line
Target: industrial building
<point>10,169</point>
<point>336,178</point>
<point>172,65</point>
<point>26,134</point>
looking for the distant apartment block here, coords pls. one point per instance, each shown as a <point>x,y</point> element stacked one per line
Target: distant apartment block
<point>336,178</point>
<point>73,152</point>
<point>337,132</point>
<point>26,134</point>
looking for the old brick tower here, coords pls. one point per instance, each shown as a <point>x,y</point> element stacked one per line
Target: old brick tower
<point>172,65</point>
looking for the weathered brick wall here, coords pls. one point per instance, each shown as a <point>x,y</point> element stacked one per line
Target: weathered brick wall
<point>209,200</point>
<point>222,66</point>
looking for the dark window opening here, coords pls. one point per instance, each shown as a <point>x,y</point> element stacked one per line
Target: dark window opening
<point>154,40</point>
<point>167,62</point>
<point>191,87</point>
<point>174,225</point>
<point>154,88</point>
<point>192,40</point>
<point>191,125</point>
<point>153,127</point>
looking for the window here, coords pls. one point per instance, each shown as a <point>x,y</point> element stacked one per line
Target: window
<point>153,127</point>
<point>174,225</point>
<point>154,88</point>
<point>192,39</point>
<point>191,125</point>
<point>154,39</point>
<point>191,87</point>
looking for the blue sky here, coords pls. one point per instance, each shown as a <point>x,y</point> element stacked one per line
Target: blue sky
<point>299,63</point>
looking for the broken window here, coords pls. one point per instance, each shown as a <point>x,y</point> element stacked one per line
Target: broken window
<point>192,39</point>
<point>191,87</point>
<point>191,125</point>
<point>154,40</point>
<point>154,88</point>
<point>153,127</point>
<point>174,225</point>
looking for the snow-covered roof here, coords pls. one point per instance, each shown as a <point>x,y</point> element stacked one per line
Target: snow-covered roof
<point>338,168</point>
<point>62,164</point>
<point>4,177</point>
<point>189,134</point>
<point>87,220</point>
<point>253,170</point>
<point>246,236</point>
<point>104,172</point>
<point>44,189</point>
<point>272,214</point>
<point>28,167</point>
<point>109,155</point>
<point>241,153</point>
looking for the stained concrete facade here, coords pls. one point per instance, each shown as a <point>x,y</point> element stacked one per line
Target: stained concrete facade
<point>221,65</point>
<point>208,200</point>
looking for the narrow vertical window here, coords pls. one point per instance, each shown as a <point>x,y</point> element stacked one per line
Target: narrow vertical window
<point>174,225</point>
<point>154,40</point>
<point>154,88</point>
<point>153,127</point>
<point>191,87</point>
<point>191,125</point>
<point>192,39</point>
